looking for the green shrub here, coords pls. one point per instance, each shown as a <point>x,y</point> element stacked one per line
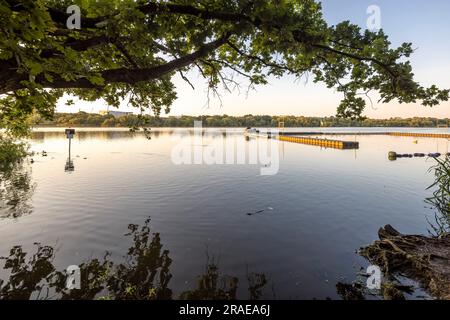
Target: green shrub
<point>11,152</point>
<point>441,195</point>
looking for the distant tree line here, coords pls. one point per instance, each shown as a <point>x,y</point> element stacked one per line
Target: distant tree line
<point>84,119</point>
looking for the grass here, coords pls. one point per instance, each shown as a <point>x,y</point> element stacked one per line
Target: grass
<point>441,195</point>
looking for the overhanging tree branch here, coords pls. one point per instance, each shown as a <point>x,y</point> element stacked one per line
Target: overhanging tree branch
<point>60,17</point>
<point>124,75</point>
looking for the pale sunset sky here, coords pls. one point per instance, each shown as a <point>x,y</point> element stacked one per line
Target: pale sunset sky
<point>424,23</point>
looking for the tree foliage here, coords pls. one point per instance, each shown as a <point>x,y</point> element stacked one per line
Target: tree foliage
<point>128,49</point>
<point>16,187</point>
<point>11,152</point>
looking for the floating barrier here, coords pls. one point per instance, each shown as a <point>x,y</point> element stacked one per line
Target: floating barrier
<point>394,155</point>
<point>335,144</point>
<point>387,133</point>
<point>420,135</point>
<point>302,137</point>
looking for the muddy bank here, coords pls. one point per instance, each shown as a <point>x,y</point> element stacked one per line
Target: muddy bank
<point>422,259</point>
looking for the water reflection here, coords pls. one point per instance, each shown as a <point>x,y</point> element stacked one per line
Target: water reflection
<point>41,136</point>
<point>16,190</point>
<point>69,166</point>
<point>326,204</point>
<point>144,274</point>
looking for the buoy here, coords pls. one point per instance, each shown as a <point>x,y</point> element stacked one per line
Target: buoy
<point>420,155</point>
<point>434,155</point>
<point>392,155</point>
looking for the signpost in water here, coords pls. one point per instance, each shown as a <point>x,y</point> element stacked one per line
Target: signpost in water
<point>69,164</point>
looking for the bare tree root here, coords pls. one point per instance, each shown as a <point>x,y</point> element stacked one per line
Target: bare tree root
<point>422,259</point>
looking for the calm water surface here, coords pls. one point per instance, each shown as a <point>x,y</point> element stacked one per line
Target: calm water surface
<point>312,216</point>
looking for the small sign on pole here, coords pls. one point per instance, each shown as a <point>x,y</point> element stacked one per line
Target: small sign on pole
<point>70,133</point>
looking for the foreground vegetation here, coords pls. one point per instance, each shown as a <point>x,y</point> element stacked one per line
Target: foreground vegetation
<point>423,259</point>
<point>15,185</point>
<point>84,119</point>
<point>11,152</point>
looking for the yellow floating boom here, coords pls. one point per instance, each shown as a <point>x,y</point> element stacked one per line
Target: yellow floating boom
<point>302,137</point>
<point>420,135</point>
<point>336,144</point>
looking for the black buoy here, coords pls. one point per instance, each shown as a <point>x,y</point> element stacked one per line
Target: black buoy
<point>392,155</point>
<point>434,155</point>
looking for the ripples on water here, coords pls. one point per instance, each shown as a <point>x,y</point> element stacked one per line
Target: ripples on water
<point>299,229</point>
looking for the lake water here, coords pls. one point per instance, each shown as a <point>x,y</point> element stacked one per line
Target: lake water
<point>300,227</point>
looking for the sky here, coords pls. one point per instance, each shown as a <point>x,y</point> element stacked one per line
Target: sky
<point>424,23</point>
